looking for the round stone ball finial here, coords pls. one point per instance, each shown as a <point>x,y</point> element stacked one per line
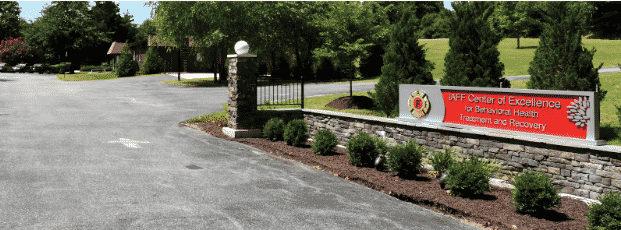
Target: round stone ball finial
<point>241,48</point>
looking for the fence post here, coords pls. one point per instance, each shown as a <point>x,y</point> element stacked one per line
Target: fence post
<point>242,94</point>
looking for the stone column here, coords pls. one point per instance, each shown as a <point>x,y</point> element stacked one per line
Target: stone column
<point>242,94</point>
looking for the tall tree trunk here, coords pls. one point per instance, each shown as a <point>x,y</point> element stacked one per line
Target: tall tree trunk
<point>518,42</point>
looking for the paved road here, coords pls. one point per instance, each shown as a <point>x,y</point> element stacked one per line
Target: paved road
<point>110,155</point>
<point>602,70</point>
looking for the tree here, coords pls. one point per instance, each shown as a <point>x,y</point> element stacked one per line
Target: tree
<point>348,31</point>
<point>404,63</point>
<point>107,19</point>
<point>436,25</point>
<point>515,19</point>
<point>266,26</point>
<point>153,62</point>
<point>9,20</point>
<point>473,57</point>
<point>126,66</point>
<point>560,62</point>
<point>604,23</point>
<point>67,27</point>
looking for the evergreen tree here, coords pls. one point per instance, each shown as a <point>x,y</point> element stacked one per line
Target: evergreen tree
<point>153,63</point>
<point>560,62</point>
<point>473,57</point>
<point>126,65</point>
<point>404,63</point>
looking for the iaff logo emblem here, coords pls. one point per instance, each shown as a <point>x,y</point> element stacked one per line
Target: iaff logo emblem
<point>418,104</point>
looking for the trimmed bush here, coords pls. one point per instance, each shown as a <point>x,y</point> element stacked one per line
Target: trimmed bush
<point>361,149</point>
<point>442,161</point>
<point>274,129</point>
<point>534,192</point>
<point>607,215</point>
<point>296,133</point>
<point>153,63</point>
<point>468,178</point>
<point>380,146</point>
<point>324,141</point>
<point>126,65</point>
<point>406,159</point>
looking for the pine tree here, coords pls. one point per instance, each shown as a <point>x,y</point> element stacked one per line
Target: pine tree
<point>126,66</point>
<point>560,62</point>
<point>473,59</point>
<point>404,63</point>
<point>153,63</point>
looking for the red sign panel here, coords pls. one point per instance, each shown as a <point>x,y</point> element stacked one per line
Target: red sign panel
<point>531,113</point>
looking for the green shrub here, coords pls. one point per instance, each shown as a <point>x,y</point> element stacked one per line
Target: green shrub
<point>88,68</point>
<point>153,63</point>
<point>534,192</point>
<point>380,146</point>
<point>296,133</point>
<point>607,215</point>
<point>126,65</point>
<point>44,67</point>
<point>442,161</point>
<point>274,129</point>
<point>406,159</point>
<point>361,150</point>
<point>468,178</point>
<point>324,141</point>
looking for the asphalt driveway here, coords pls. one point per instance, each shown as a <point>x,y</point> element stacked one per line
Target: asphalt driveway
<point>110,155</point>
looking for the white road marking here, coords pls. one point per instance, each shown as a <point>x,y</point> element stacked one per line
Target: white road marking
<point>129,143</point>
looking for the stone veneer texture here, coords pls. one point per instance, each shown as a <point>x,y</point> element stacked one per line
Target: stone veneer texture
<point>582,172</point>
<point>242,95</point>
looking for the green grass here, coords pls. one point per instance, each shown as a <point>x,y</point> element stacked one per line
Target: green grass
<point>79,76</point>
<point>516,60</point>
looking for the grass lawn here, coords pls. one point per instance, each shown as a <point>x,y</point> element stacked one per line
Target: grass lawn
<point>517,61</point>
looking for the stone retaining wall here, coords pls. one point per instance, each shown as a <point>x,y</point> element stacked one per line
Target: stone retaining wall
<point>582,172</point>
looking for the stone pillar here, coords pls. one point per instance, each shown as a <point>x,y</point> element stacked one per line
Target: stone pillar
<point>242,94</point>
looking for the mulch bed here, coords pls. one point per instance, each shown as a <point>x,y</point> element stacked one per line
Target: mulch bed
<point>491,210</point>
<point>355,102</point>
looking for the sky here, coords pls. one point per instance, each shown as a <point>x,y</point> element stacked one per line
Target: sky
<point>31,9</point>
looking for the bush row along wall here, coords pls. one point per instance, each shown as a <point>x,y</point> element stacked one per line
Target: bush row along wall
<point>582,172</point>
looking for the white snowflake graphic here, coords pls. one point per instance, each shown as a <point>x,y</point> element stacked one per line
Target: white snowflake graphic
<point>578,111</point>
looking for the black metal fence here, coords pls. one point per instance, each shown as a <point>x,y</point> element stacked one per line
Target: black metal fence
<point>278,91</point>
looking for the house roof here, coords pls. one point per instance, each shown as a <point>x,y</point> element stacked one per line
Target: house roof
<point>115,48</point>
